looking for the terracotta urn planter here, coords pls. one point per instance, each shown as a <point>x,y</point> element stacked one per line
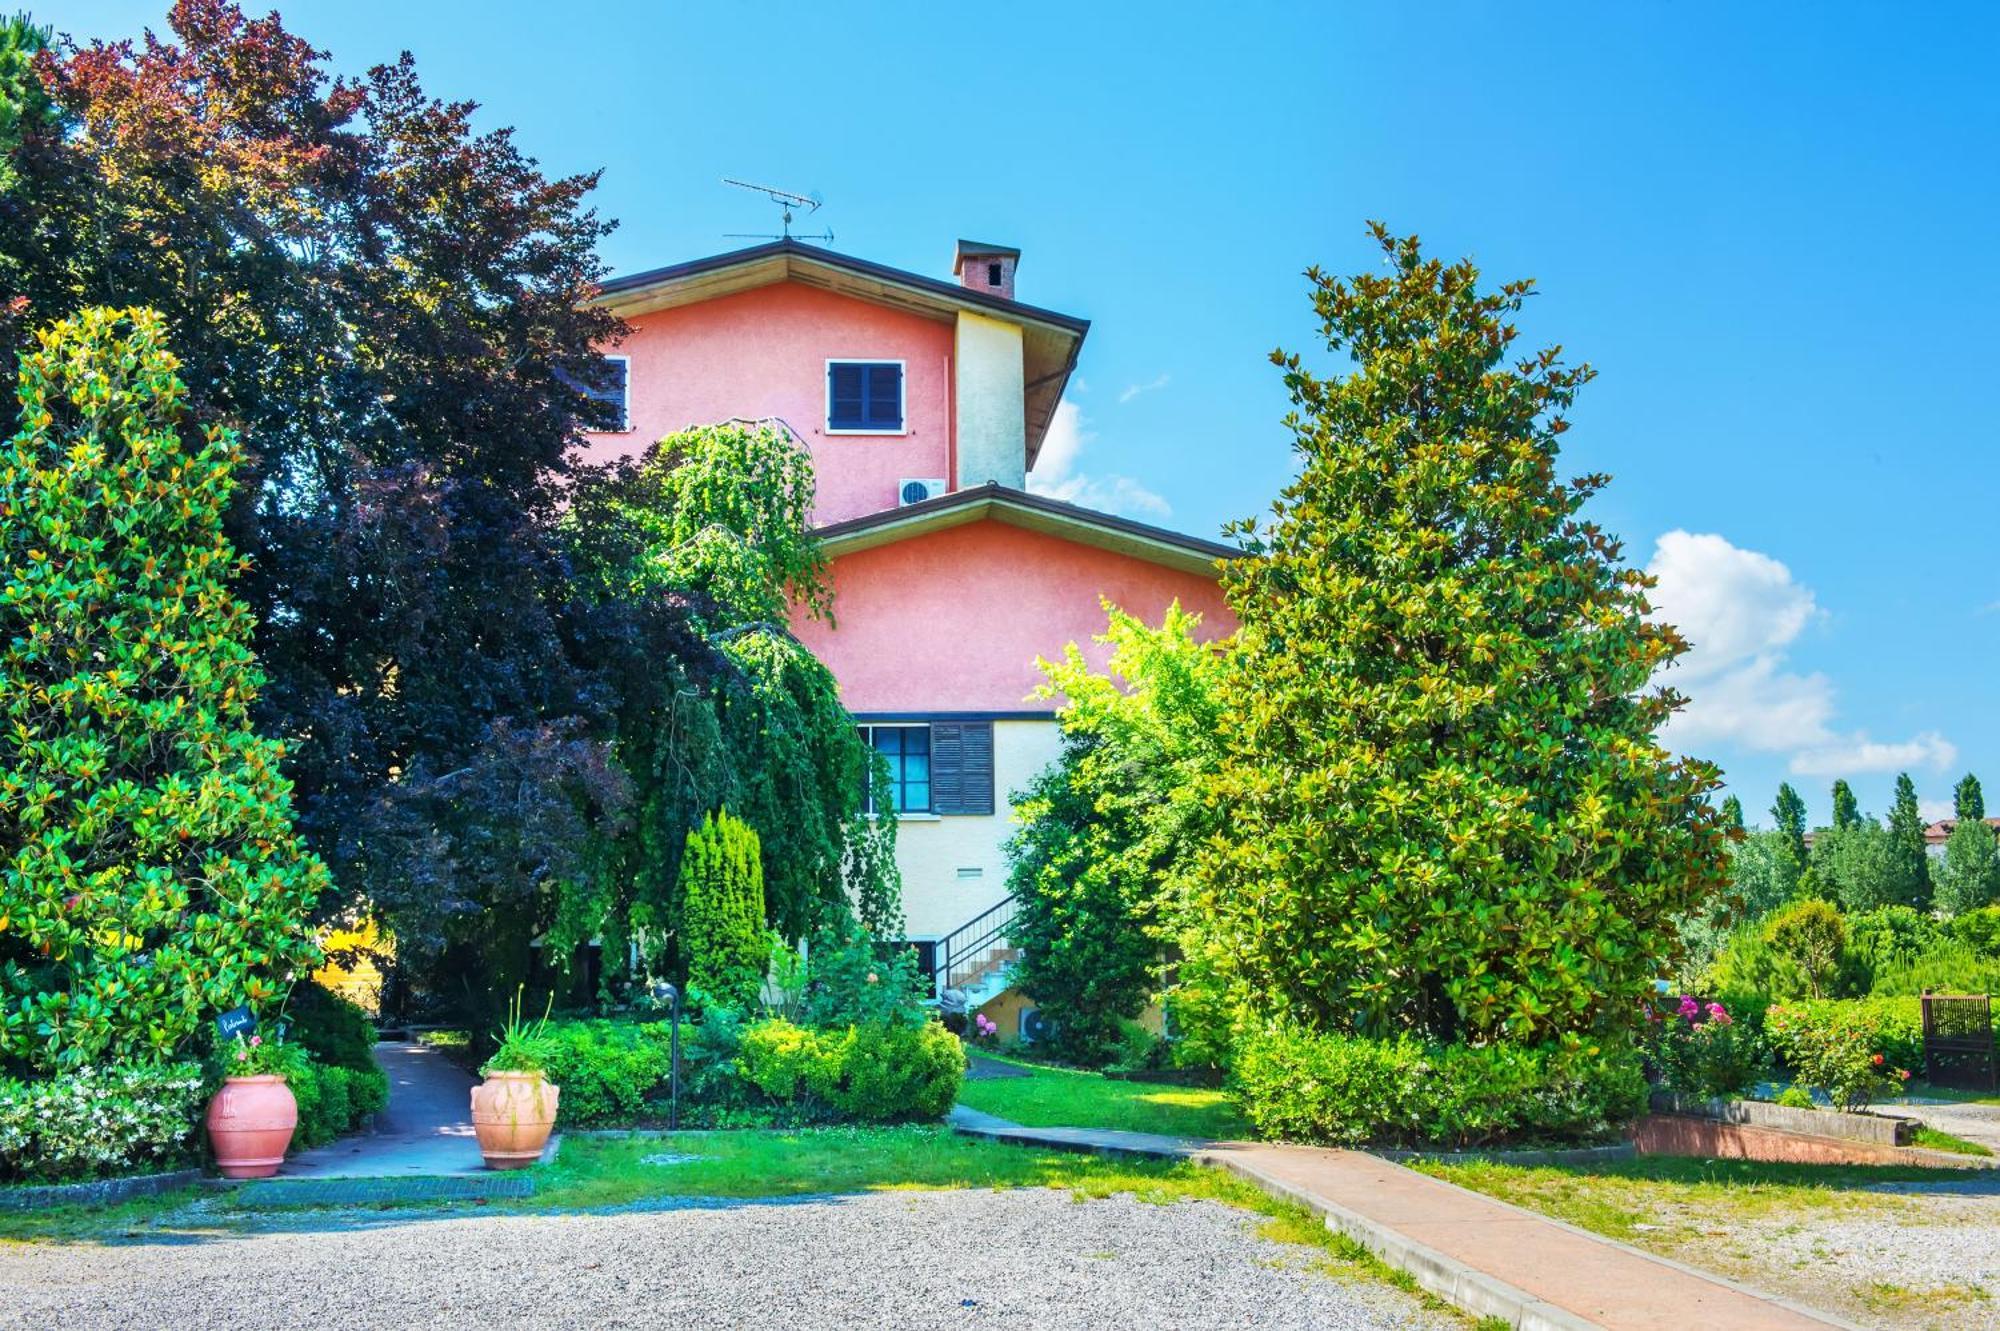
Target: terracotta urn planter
<point>513,1113</point>
<point>250,1123</point>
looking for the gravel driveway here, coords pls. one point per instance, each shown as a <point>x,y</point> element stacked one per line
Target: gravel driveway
<point>1022,1258</point>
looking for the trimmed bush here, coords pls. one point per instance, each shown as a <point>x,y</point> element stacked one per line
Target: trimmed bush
<point>886,1073</point>
<point>99,1122</point>
<point>332,1029</point>
<point>1298,1085</point>
<point>722,877</point>
<point>611,1072</point>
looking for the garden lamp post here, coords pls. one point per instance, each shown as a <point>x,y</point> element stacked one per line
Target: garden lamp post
<point>665,992</point>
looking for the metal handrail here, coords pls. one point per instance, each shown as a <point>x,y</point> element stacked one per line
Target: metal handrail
<point>970,941</point>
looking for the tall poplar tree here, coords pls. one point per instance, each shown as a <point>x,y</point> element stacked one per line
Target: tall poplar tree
<point>1846,809</point>
<point>1788,812</point>
<point>1967,799</point>
<point>1446,810</point>
<point>1906,833</point>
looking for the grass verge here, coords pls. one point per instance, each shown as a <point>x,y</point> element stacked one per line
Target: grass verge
<point>1067,1098</point>
<point>1936,1139</point>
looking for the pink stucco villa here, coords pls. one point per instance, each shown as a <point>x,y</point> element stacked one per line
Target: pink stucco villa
<point>924,403</point>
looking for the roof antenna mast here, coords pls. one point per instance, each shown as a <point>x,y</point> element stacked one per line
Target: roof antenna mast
<point>786,201</point>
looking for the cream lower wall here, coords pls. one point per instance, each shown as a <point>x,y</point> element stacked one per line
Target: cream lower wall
<point>931,851</point>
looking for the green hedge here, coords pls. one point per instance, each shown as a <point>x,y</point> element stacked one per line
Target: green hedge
<point>889,1073</point>
<point>611,1072</point>
<point>1299,1085</point>
<point>615,1073</point>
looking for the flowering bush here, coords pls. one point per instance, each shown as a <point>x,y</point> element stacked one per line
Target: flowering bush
<point>985,1031</point>
<point>1697,1049</point>
<point>98,1121</point>
<point>1834,1048</point>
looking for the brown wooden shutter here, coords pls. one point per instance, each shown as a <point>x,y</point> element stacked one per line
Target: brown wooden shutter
<point>962,766</point>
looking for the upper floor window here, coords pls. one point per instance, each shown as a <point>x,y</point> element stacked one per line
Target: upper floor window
<point>613,389</point>
<point>864,397</point>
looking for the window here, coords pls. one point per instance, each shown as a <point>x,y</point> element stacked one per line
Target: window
<point>992,274</point>
<point>612,389</point>
<point>943,766</point>
<point>864,397</point>
<point>908,752</point>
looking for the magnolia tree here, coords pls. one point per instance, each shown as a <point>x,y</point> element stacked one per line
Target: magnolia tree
<point>1444,806</point>
<point>152,875</point>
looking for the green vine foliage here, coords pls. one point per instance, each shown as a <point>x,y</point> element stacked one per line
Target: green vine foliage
<point>1445,808</point>
<point>152,875</point>
<point>713,525</point>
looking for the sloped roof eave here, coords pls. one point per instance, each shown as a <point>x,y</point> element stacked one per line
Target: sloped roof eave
<point>1033,512</point>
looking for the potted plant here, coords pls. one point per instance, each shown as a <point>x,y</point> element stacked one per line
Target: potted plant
<point>514,1109</point>
<point>252,1116</point>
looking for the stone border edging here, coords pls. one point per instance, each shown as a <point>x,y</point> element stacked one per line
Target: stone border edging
<point>96,1192</point>
<point>1875,1129</point>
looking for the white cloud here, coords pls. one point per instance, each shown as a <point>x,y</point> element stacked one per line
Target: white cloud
<point>1858,753</point>
<point>1742,612</point>
<point>1133,390</point>
<point>1056,474</point>
<point>1932,810</point>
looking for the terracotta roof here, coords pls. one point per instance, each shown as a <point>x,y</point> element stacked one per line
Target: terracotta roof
<point>1940,831</point>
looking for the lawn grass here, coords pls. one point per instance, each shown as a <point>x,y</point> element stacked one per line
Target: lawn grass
<point>1066,1098</point>
<point>1936,1139</point>
<point>1652,1200</point>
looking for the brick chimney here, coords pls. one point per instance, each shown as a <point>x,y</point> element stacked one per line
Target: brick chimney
<point>988,268</point>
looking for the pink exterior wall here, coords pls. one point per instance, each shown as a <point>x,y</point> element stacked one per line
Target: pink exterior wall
<point>763,353</point>
<point>953,621</point>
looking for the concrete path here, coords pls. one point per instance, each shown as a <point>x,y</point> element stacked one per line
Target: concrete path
<point>425,1129</point>
<point>1972,1121</point>
<point>1487,1257</point>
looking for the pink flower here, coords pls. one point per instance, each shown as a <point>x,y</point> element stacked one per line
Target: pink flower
<point>1904,1073</point>
<point>1716,1013</point>
<point>1689,1008</point>
<point>243,1056</point>
<point>256,1040</point>
<point>1877,1060</point>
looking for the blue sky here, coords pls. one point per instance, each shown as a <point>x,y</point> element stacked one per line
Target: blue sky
<point>1769,227</point>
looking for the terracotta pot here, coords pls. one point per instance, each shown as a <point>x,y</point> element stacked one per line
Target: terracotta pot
<point>513,1113</point>
<point>250,1124</point>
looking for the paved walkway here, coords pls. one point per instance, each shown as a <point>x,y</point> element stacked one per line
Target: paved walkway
<point>1486,1256</point>
<point>1972,1121</point>
<point>425,1129</point>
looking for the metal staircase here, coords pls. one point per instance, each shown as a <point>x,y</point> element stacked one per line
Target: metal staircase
<point>976,959</point>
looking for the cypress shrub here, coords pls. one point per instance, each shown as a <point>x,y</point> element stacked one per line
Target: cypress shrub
<point>722,879</point>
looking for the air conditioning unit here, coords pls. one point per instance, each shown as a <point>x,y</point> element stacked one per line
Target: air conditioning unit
<point>1035,1027</point>
<point>916,491</point>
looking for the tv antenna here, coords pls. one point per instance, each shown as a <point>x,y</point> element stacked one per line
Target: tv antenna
<point>787,202</point>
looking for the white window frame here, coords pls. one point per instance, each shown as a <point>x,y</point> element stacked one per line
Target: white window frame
<point>926,815</point>
<point>902,385</point>
<point>626,409</point>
